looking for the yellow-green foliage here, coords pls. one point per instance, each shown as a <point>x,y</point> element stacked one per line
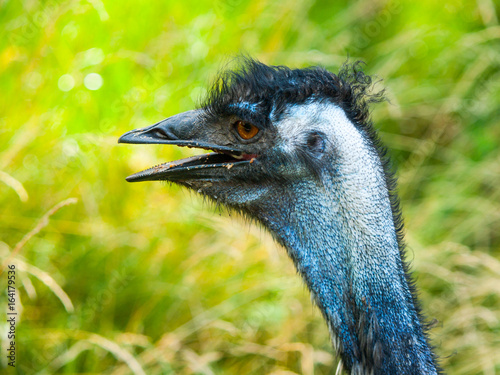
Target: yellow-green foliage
<point>147,278</point>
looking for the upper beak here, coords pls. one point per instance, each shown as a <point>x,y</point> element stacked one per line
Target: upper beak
<point>176,130</point>
<point>180,130</point>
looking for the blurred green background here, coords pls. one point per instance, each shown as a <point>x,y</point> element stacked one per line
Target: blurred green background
<point>147,278</point>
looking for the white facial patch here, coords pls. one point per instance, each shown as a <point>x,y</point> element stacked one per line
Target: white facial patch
<point>359,172</point>
<point>341,133</point>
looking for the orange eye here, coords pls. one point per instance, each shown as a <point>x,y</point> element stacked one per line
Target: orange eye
<point>246,130</point>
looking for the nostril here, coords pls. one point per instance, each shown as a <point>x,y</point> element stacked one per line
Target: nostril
<point>161,133</point>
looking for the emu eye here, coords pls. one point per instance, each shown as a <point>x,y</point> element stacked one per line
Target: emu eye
<point>246,130</point>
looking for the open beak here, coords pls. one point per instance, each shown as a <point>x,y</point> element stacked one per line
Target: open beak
<point>178,130</point>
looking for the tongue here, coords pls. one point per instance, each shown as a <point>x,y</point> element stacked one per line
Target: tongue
<point>249,156</point>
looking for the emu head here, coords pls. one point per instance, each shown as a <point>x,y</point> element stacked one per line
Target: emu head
<point>271,129</point>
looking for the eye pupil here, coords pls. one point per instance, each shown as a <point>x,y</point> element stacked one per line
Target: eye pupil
<point>246,130</point>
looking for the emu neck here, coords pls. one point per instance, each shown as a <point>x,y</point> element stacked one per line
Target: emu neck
<point>341,235</point>
<point>351,263</point>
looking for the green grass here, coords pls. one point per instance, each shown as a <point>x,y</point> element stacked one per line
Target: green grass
<point>146,278</point>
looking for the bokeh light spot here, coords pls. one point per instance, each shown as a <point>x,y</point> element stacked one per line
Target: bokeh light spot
<point>93,56</point>
<point>93,81</point>
<point>66,82</point>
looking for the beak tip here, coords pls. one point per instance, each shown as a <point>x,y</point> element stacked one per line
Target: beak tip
<point>125,138</point>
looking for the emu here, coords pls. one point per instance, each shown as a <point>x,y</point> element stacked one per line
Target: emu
<point>295,150</point>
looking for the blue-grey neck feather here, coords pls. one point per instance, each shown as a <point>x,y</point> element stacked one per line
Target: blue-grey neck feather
<point>342,238</point>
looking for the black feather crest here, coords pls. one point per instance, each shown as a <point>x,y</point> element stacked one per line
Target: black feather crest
<point>270,89</point>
